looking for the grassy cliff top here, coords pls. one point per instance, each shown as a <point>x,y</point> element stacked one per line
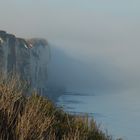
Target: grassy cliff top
<point>34,117</point>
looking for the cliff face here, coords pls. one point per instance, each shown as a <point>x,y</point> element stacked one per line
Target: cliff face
<point>29,58</point>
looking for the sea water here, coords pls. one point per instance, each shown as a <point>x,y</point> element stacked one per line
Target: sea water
<point>116,113</point>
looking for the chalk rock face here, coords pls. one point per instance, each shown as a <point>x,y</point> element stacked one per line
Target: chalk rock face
<point>28,58</point>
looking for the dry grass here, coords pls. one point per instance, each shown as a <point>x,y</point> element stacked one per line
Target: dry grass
<point>34,117</point>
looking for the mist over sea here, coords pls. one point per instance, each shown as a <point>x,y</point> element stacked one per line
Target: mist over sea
<point>99,69</point>
<point>101,83</point>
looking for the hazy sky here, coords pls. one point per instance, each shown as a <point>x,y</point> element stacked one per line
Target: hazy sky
<point>101,32</point>
<point>60,18</point>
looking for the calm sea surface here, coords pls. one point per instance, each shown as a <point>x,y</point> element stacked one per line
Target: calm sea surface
<point>118,113</point>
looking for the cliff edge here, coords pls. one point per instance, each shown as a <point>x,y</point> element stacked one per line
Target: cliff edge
<point>27,57</point>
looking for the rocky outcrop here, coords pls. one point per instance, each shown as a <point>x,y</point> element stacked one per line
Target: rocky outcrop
<point>28,58</point>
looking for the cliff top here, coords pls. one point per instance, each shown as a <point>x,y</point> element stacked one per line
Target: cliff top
<point>28,42</point>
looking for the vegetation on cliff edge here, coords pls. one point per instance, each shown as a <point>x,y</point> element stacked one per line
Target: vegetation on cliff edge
<point>32,117</point>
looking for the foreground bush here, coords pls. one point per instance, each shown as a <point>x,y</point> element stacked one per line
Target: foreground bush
<point>34,117</point>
